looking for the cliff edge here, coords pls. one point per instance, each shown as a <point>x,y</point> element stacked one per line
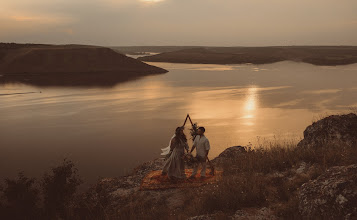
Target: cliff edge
<point>308,181</point>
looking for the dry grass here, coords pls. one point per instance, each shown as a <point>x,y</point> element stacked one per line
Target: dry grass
<point>267,177</point>
<point>320,116</point>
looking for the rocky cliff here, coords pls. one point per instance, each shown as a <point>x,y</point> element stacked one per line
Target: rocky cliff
<point>333,195</point>
<point>338,130</point>
<point>280,183</point>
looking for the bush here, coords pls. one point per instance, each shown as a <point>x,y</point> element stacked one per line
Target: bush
<point>20,198</point>
<point>59,188</point>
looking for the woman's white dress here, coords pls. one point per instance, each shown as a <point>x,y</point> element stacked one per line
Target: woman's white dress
<point>175,166</point>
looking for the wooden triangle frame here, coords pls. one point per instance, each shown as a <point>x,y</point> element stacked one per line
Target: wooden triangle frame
<point>209,162</point>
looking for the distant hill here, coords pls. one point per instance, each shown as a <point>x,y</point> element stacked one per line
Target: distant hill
<point>68,65</point>
<point>137,50</point>
<point>317,55</point>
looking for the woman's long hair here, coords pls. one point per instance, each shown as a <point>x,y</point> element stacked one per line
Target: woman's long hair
<point>179,136</point>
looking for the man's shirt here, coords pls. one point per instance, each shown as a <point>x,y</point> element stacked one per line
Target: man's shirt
<point>202,145</point>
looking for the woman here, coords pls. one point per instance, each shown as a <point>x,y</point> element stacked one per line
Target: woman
<point>174,166</point>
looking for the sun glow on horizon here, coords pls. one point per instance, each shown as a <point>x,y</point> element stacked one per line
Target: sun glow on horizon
<point>152,1</point>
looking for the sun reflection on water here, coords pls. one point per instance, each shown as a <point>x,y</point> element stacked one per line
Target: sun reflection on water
<point>250,106</point>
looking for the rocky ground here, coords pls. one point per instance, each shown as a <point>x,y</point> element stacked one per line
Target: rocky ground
<point>302,187</point>
<point>331,195</point>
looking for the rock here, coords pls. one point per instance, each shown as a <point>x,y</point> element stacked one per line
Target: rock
<point>337,130</point>
<point>125,186</point>
<point>143,169</point>
<point>333,195</point>
<point>232,151</point>
<point>203,217</point>
<point>302,168</point>
<point>215,216</point>
<point>229,153</point>
<point>246,214</point>
<point>255,214</point>
<point>124,192</point>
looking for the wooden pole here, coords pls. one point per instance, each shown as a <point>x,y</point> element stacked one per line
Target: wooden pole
<point>186,120</point>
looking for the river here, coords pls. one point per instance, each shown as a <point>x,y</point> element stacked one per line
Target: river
<point>108,131</point>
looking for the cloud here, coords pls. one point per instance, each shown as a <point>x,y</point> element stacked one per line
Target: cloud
<point>322,91</point>
<point>40,19</point>
<point>185,22</point>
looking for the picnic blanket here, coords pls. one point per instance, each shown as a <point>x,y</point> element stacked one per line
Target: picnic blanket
<point>154,180</point>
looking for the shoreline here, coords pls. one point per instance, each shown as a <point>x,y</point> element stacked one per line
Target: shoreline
<point>320,56</point>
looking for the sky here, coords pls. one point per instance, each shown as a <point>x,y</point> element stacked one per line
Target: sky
<point>180,22</point>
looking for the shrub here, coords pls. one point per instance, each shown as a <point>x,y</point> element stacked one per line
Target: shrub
<point>59,188</point>
<point>20,198</point>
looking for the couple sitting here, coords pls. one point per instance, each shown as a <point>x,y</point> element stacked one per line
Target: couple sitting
<point>175,166</point>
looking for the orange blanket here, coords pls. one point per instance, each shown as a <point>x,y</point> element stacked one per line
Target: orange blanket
<point>154,180</point>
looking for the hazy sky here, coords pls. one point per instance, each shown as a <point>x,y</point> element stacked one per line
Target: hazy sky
<point>180,22</point>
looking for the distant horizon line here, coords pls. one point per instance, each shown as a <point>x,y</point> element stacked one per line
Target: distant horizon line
<point>296,45</point>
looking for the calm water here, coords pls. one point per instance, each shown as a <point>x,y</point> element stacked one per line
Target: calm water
<point>108,131</point>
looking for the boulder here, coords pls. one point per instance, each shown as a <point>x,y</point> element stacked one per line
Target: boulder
<point>333,195</point>
<point>229,153</point>
<point>335,130</point>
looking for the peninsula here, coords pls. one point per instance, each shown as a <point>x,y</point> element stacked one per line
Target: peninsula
<point>73,65</point>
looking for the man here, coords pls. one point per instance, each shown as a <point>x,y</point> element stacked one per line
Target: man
<point>202,146</point>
